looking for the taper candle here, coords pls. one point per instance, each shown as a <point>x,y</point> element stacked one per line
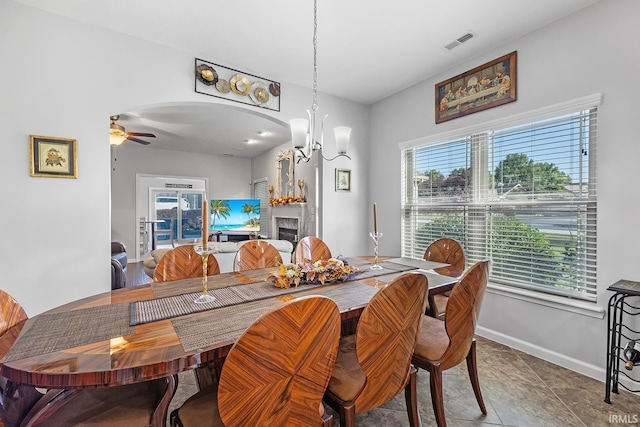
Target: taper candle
<point>205,222</point>
<point>375,219</point>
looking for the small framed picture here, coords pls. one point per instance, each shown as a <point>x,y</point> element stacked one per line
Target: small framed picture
<point>53,157</point>
<point>343,179</point>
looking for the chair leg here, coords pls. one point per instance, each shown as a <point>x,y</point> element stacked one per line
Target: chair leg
<point>327,419</point>
<point>411,397</point>
<point>348,415</point>
<point>435,379</point>
<point>159,416</point>
<point>473,375</point>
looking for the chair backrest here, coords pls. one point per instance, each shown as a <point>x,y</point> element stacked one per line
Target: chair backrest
<point>11,312</point>
<point>311,248</point>
<point>386,336</point>
<point>277,372</point>
<point>446,250</point>
<point>463,309</point>
<point>182,263</point>
<point>17,399</point>
<point>256,254</point>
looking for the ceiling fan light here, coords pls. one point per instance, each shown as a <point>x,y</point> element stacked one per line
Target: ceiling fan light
<point>116,139</point>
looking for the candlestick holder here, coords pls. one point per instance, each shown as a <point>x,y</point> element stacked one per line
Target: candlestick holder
<point>301,186</point>
<point>376,237</point>
<point>204,251</point>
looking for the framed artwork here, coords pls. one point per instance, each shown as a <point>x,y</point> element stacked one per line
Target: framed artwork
<point>481,88</point>
<point>53,157</point>
<point>343,179</point>
<point>234,85</point>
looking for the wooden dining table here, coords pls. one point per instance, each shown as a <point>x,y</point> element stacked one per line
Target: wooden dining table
<point>153,331</point>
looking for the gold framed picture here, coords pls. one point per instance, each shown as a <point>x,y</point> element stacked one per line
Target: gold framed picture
<point>343,179</point>
<point>481,88</point>
<point>53,157</point>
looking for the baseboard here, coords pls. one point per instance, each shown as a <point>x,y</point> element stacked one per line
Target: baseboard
<point>592,371</point>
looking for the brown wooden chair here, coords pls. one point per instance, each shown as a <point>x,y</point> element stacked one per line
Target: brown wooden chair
<point>448,251</point>
<point>276,373</point>
<point>374,365</point>
<point>443,345</point>
<point>311,248</point>
<point>256,254</point>
<point>182,263</point>
<point>17,399</point>
<point>141,404</point>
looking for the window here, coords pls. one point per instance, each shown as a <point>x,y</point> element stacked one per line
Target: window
<point>522,195</point>
<point>261,191</point>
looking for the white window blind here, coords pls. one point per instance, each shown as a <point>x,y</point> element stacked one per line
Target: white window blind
<point>522,195</point>
<point>261,191</point>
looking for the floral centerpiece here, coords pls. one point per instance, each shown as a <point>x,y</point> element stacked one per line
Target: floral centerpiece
<point>321,271</point>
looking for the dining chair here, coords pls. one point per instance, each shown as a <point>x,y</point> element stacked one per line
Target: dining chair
<point>256,254</point>
<point>183,263</point>
<point>443,345</point>
<point>141,404</point>
<point>134,405</point>
<point>311,248</point>
<point>276,372</point>
<point>17,399</point>
<point>374,365</point>
<point>448,251</point>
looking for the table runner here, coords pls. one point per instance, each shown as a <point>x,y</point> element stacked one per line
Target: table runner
<point>435,280</point>
<point>218,326</point>
<point>416,263</point>
<point>228,323</point>
<point>177,287</point>
<point>365,271</point>
<point>49,332</point>
<point>180,305</point>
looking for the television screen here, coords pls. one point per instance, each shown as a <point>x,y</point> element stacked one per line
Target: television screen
<point>235,215</point>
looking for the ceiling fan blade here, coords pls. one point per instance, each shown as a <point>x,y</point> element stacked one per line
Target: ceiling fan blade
<point>139,141</point>
<point>147,135</point>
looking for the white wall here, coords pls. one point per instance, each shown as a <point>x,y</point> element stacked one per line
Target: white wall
<point>60,78</point>
<point>591,51</point>
<point>228,177</point>
<point>264,166</point>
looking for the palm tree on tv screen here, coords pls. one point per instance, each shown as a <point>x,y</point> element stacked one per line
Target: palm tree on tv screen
<point>219,209</point>
<point>250,209</point>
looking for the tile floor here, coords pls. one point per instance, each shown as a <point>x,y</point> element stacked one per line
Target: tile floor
<point>518,389</point>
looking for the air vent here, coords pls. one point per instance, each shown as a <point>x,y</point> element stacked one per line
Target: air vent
<point>460,40</point>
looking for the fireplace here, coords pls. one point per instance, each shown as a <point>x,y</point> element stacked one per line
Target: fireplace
<point>290,234</point>
<point>287,229</point>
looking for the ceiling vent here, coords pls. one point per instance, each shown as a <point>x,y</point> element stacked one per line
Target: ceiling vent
<point>460,40</point>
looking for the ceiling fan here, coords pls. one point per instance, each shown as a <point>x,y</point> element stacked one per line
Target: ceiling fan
<point>118,135</point>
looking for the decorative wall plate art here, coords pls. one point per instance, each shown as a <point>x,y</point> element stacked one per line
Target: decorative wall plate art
<point>234,85</point>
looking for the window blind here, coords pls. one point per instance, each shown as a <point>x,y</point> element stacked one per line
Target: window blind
<point>523,196</point>
<point>261,191</point>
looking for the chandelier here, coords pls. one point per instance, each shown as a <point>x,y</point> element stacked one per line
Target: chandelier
<point>303,131</point>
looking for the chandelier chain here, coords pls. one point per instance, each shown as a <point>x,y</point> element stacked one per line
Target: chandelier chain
<point>314,104</point>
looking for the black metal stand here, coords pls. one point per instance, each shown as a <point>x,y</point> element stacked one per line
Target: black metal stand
<point>618,306</point>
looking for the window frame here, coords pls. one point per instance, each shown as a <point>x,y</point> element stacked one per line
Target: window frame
<point>589,294</point>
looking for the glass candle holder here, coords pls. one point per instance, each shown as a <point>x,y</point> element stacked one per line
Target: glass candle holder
<point>376,237</point>
<point>204,251</point>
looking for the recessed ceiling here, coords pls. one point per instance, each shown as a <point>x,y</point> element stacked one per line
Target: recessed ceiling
<point>205,128</point>
<point>367,49</point>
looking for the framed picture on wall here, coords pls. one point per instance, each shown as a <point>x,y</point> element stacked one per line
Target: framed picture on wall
<point>481,88</point>
<point>53,157</point>
<point>343,179</point>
